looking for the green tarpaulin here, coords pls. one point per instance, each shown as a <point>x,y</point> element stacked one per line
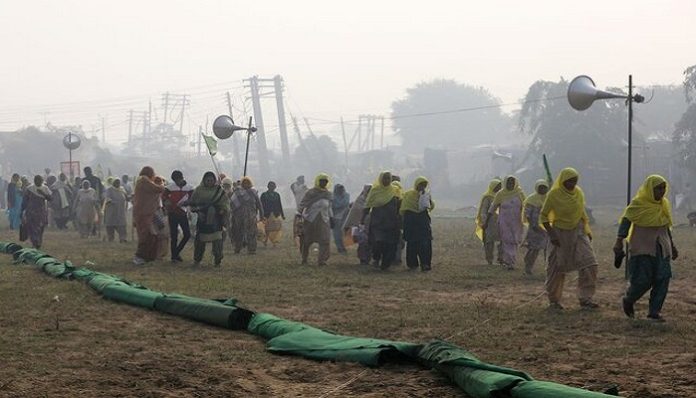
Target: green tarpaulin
<point>207,311</point>
<point>478,379</point>
<point>131,295</point>
<point>296,338</point>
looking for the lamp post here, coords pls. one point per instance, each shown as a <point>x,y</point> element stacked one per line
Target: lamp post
<point>582,92</point>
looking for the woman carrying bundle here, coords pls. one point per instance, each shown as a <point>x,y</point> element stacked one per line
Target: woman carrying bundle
<point>315,208</point>
<point>211,204</point>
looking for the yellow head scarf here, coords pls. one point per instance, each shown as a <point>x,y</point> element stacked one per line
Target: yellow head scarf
<point>536,199</point>
<point>411,197</point>
<point>322,176</point>
<point>564,209</point>
<point>644,210</point>
<point>380,194</point>
<point>506,194</point>
<point>487,195</point>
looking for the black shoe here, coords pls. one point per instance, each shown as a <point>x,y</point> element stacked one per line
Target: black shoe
<point>628,308</point>
<point>656,318</point>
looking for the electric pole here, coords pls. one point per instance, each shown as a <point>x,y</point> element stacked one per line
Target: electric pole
<point>284,145</point>
<point>260,132</point>
<point>130,125</point>
<point>235,138</point>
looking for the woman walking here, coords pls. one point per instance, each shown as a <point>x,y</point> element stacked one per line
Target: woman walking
<point>273,210</point>
<point>86,205</point>
<point>565,220</point>
<point>488,232</point>
<point>315,208</point>
<point>210,202</point>
<point>537,239</point>
<point>146,202</point>
<point>415,208</point>
<point>646,223</point>
<point>508,204</point>
<point>358,230</point>
<point>62,201</point>
<point>341,201</point>
<point>246,205</point>
<point>382,206</point>
<point>14,201</point>
<point>35,211</point>
<point>115,202</point>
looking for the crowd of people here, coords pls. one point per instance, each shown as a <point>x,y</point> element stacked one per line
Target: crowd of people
<point>558,221</point>
<point>382,221</point>
<point>167,214</point>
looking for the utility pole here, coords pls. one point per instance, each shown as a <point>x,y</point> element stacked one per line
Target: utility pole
<point>130,125</point>
<point>235,138</point>
<point>149,118</point>
<point>285,147</point>
<point>146,123</point>
<point>103,129</point>
<point>381,134</point>
<point>345,141</point>
<point>200,136</point>
<point>260,132</point>
<point>165,99</point>
<point>184,102</point>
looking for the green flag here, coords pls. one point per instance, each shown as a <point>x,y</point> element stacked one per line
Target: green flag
<point>211,144</point>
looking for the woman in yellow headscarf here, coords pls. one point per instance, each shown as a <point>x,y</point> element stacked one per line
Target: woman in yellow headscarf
<point>646,223</point>
<point>508,204</point>
<point>537,239</point>
<point>565,220</point>
<point>317,219</point>
<point>415,208</point>
<point>488,233</point>
<point>382,205</point>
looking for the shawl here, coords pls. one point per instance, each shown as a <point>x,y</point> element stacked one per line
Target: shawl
<point>340,201</point>
<point>506,194</point>
<point>489,194</point>
<point>536,199</point>
<point>644,210</point>
<point>411,197</point>
<point>380,194</point>
<point>322,176</point>
<point>563,208</point>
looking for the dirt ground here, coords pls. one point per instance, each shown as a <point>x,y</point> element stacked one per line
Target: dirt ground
<point>83,345</point>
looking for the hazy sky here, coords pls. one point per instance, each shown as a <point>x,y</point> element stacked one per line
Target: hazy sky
<point>337,58</point>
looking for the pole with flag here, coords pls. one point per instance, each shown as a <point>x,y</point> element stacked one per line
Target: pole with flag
<point>211,143</point>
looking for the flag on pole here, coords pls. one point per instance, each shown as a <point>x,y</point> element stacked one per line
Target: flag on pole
<point>211,143</point>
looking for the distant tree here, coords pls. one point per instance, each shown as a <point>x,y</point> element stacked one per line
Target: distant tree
<point>448,130</point>
<point>317,154</point>
<point>658,116</point>
<point>593,141</point>
<point>684,137</point>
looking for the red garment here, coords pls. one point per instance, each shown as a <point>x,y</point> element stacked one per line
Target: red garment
<point>173,194</point>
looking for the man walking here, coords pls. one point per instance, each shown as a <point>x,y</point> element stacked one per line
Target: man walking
<point>175,197</point>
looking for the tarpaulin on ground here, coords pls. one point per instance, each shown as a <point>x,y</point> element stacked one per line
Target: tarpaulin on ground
<point>478,379</point>
<point>288,337</point>
<point>545,389</point>
<point>212,312</point>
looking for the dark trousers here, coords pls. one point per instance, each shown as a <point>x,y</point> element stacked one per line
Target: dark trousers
<point>419,250</point>
<point>199,250</point>
<point>384,252</point>
<point>175,221</point>
<point>649,273</point>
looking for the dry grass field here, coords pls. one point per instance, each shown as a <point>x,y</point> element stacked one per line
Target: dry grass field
<point>102,348</point>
